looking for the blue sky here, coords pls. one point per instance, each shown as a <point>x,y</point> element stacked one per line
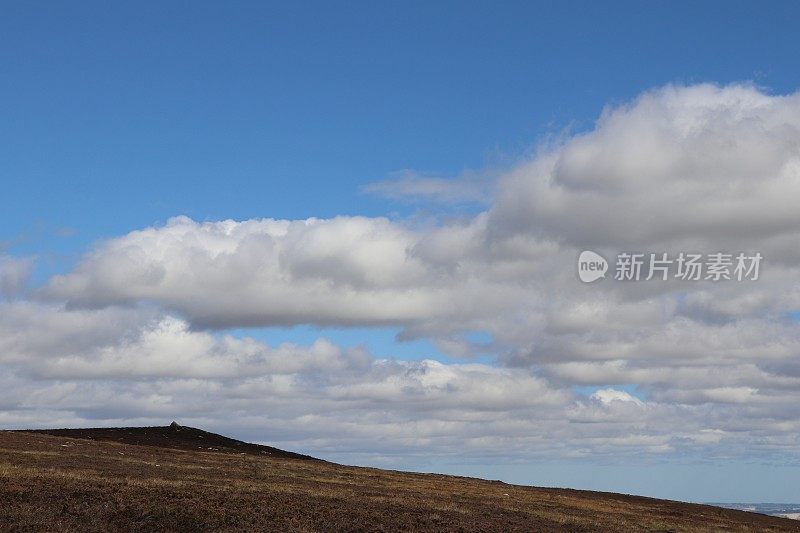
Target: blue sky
<point>287,110</point>
<point>119,117</point>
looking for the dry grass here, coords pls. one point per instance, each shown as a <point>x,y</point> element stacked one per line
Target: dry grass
<point>58,484</point>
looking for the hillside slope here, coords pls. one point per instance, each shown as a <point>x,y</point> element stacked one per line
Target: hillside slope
<point>58,483</point>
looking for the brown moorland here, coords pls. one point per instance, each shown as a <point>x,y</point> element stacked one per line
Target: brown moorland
<point>122,481</point>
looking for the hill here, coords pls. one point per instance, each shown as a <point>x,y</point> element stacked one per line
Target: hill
<point>152,479</point>
<point>173,436</point>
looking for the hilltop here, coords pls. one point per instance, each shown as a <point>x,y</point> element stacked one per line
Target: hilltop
<point>173,436</point>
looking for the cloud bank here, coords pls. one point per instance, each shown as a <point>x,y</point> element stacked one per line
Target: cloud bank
<point>139,325</point>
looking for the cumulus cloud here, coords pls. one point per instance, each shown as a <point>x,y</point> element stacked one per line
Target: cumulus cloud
<point>702,165</point>
<point>701,168</point>
<point>347,270</point>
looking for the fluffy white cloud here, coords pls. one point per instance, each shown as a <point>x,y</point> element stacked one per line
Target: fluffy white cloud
<point>698,165</point>
<point>348,270</point>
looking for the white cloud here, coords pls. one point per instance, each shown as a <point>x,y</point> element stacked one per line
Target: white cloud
<point>607,396</point>
<point>698,165</point>
<point>347,270</point>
